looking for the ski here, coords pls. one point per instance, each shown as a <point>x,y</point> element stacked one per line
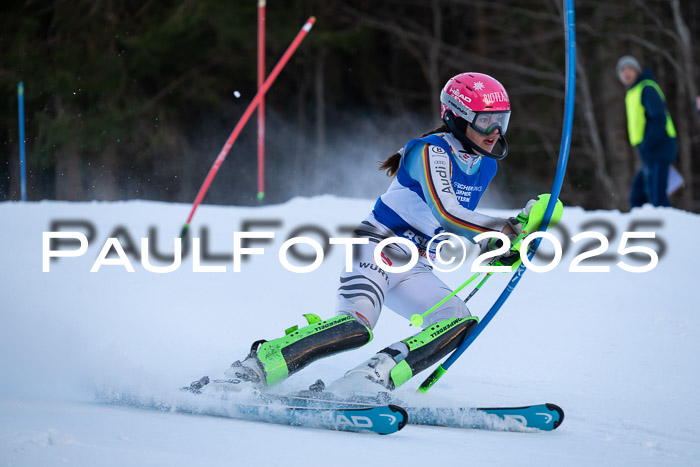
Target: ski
<point>380,419</point>
<point>544,417</point>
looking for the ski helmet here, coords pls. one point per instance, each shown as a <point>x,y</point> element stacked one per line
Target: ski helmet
<point>478,100</point>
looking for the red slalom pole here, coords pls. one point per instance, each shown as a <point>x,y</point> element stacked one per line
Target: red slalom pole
<point>244,119</point>
<point>261,106</point>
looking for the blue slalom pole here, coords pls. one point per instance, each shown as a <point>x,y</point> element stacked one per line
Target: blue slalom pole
<point>570,33</point>
<point>22,164</point>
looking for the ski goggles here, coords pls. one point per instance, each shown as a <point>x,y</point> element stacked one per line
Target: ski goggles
<point>486,122</point>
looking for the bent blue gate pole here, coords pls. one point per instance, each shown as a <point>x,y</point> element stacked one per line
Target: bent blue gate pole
<point>22,165</point>
<point>570,34</point>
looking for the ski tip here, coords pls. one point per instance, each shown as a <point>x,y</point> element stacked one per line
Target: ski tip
<point>404,415</point>
<point>559,410</point>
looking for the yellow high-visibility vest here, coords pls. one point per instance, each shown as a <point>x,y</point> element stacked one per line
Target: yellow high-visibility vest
<point>636,120</point>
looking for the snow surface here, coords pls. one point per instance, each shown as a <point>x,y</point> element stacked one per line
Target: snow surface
<point>618,351</point>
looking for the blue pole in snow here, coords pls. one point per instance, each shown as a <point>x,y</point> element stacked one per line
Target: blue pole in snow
<point>570,32</point>
<point>22,165</point>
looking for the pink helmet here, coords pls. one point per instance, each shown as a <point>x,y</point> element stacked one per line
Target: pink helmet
<point>478,100</point>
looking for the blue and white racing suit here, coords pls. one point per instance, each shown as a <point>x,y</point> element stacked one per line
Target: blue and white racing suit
<point>436,189</point>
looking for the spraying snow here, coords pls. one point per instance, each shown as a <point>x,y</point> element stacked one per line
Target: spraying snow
<point>617,350</point>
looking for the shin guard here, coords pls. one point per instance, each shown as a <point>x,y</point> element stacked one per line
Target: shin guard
<point>429,346</point>
<point>300,346</point>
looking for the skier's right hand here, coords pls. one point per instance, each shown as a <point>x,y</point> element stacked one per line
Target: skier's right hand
<point>511,230</point>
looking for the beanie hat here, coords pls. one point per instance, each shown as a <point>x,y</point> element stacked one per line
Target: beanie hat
<point>629,61</point>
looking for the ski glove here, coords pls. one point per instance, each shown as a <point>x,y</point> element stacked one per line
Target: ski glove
<point>493,243</point>
<point>527,221</point>
<point>519,222</point>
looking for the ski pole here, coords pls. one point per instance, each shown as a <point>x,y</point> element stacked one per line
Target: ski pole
<point>417,320</point>
<point>244,119</point>
<point>547,209</point>
<point>552,205</point>
<point>540,218</point>
<point>478,286</point>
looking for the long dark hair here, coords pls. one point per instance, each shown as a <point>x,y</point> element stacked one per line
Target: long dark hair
<point>392,163</point>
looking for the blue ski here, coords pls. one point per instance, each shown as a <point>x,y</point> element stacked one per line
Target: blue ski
<point>381,419</point>
<point>545,417</point>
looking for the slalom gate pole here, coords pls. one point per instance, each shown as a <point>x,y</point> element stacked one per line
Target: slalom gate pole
<point>244,119</point>
<point>261,106</point>
<point>570,34</point>
<point>22,161</point>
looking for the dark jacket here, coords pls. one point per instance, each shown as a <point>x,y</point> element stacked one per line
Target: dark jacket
<point>656,146</point>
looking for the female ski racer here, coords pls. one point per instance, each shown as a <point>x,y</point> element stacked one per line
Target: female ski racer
<point>439,179</point>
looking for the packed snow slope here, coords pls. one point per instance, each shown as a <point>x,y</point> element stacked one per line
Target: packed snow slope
<point>618,350</point>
